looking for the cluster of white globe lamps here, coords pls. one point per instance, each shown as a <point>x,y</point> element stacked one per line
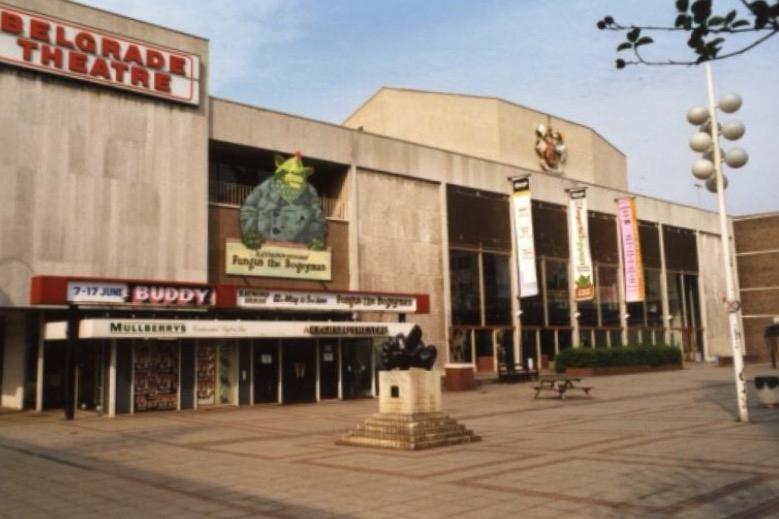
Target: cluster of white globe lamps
<point>705,140</point>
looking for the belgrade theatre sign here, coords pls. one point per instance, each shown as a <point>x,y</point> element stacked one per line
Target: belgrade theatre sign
<point>53,46</point>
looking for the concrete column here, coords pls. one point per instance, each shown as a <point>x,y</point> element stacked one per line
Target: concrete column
<point>516,319</point>
<point>318,374</point>
<point>354,210</point>
<point>340,372</point>
<point>623,306</point>
<point>447,295</point>
<point>112,379</point>
<point>39,371</point>
<point>663,285</point>
<point>280,387</point>
<point>14,360</point>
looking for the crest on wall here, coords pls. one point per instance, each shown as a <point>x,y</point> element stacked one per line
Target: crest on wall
<point>550,148</point>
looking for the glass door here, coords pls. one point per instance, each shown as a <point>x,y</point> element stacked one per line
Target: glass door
<point>217,374</point>
<point>356,367</point>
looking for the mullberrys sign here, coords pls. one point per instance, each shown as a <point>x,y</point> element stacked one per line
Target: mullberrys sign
<point>54,46</point>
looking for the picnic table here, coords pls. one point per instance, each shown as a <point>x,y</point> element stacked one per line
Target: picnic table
<point>561,384</point>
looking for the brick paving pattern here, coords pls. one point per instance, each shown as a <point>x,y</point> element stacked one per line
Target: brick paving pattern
<point>651,445</point>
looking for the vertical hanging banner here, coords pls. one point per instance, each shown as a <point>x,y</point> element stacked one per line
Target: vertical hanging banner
<point>579,239</point>
<point>523,231</point>
<point>631,250</point>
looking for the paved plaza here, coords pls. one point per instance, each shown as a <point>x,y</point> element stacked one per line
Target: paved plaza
<point>650,445</point>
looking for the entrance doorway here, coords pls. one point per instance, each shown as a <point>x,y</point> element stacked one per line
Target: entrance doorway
<point>299,370</point>
<point>356,367</point>
<point>217,374</point>
<point>328,369</point>
<point>90,375</point>
<point>266,371</point>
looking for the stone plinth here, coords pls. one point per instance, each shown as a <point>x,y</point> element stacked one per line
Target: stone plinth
<point>410,391</point>
<point>410,415</point>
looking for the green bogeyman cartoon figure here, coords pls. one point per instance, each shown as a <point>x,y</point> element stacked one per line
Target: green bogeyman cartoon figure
<point>284,207</point>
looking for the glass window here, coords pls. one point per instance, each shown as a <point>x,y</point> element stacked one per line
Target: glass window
<point>654,299</point>
<point>681,252</point>
<point>603,237</point>
<point>547,344</point>
<point>484,347</point>
<point>635,313</point>
<point>464,278</point>
<point>588,313</point>
<point>675,300</point>
<point>478,218</point>
<point>557,298</point>
<point>460,346</point>
<point>533,307</point>
<point>497,289</point>
<point>608,293</point>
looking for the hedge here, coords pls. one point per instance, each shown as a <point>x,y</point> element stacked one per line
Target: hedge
<point>617,356</point>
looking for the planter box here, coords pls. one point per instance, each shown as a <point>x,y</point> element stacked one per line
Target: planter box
<point>619,370</point>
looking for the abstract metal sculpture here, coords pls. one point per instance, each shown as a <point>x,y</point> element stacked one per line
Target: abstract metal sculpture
<point>408,352</point>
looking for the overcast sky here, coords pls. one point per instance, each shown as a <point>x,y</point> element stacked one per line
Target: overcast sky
<point>322,58</point>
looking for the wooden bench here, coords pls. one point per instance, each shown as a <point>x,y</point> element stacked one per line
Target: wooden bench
<point>560,384</point>
<point>516,373</point>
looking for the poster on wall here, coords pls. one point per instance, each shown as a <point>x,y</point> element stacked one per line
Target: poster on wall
<point>523,232</point>
<point>283,228</point>
<point>579,239</point>
<point>631,250</point>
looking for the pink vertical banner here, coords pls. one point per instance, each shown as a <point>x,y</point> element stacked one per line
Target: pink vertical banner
<point>632,264</point>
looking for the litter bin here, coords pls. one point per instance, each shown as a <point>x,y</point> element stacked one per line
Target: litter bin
<point>767,390</point>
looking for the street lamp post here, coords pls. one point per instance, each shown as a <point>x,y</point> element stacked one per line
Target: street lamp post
<point>710,169</point>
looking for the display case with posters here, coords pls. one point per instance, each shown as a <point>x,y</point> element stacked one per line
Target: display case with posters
<point>155,378</point>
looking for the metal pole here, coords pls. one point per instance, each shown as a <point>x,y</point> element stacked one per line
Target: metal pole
<point>730,295</point>
<point>71,361</point>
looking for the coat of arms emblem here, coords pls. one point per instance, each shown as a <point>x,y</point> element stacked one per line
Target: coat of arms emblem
<point>550,149</point>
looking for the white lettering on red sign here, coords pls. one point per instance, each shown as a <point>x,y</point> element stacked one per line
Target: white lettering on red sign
<point>162,295</point>
<point>47,44</point>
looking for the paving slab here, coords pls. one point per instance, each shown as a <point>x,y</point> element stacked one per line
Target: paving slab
<point>647,446</point>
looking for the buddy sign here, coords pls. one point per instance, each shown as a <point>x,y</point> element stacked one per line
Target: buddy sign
<point>53,46</point>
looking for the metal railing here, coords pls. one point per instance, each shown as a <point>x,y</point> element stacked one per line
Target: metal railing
<point>230,193</point>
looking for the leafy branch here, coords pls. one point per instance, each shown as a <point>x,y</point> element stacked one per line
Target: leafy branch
<point>707,31</point>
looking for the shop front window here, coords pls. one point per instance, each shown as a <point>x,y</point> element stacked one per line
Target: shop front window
<point>156,375</point>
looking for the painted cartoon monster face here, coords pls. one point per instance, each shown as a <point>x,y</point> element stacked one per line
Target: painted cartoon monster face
<point>284,208</point>
<point>292,175</point>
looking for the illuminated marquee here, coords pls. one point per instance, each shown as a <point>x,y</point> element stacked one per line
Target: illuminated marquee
<point>53,46</point>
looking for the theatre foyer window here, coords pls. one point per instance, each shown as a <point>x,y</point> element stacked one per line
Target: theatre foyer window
<point>684,318</point>
<point>599,319</point>
<point>479,276</point>
<point>645,318</point>
<point>546,317</point>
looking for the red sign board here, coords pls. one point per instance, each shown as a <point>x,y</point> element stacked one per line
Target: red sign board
<point>54,46</point>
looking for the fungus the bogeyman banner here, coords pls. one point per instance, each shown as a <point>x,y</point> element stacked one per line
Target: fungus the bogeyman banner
<point>579,235</point>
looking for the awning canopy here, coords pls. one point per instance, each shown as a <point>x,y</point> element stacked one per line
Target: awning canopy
<point>222,329</point>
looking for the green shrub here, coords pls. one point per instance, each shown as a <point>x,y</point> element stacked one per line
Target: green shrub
<point>617,356</point>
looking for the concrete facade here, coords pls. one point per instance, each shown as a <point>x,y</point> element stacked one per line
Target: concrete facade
<point>91,173</point>
<point>488,128</point>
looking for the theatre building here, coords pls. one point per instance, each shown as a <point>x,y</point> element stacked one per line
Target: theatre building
<point>161,249</point>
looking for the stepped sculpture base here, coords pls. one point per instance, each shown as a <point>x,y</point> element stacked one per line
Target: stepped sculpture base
<point>410,416</point>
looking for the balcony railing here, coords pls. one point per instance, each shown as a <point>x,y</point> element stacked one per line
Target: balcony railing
<point>229,193</point>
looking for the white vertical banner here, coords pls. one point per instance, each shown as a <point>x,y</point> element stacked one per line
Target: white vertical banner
<point>523,235</point>
<point>631,250</point>
<point>579,239</point>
